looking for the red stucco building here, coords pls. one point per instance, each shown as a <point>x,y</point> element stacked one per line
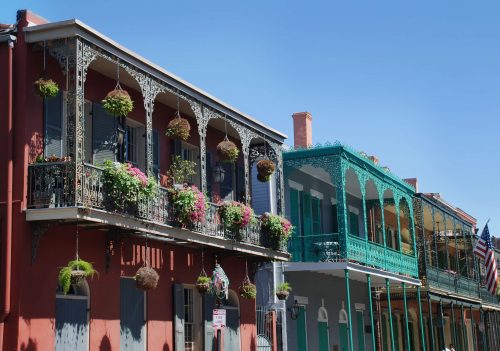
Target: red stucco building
<point>43,205</point>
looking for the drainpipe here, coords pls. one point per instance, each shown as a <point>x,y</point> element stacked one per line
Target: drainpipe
<point>6,264</point>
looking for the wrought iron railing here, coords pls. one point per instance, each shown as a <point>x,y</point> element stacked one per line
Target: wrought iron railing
<point>489,298</point>
<point>327,248</point>
<point>52,185</point>
<point>449,281</point>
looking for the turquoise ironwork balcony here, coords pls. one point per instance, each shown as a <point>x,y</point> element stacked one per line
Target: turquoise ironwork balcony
<point>326,248</point>
<point>448,281</point>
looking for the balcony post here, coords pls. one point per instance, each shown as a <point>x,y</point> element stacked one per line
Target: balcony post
<point>473,329</point>
<point>202,123</point>
<point>397,201</point>
<point>432,343</point>
<point>446,243</point>
<point>370,306</point>
<point>380,191</point>
<point>245,145</point>
<point>457,263</point>
<point>423,346</point>
<point>464,330</point>
<point>406,318</point>
<point>391,327</point>
<point>441,320</point>
<point>436,261</point>
<point>349,318</point>
<point>362,180</point>
<point>483,334</point>
<point>341,205</point>
<point>453,326</point>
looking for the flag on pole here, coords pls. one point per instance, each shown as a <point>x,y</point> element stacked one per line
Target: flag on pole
<point>485,250</point>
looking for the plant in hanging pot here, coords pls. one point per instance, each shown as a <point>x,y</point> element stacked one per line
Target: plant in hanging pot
<point>125,185</point>
<point>46,88</point>
<point>277,230</point>
<point>247,289</point>
<point>75,272</point>
<point>283,290</point>
<point>178,128</point>
<point>265,169</point>
<point>203,283</point>
<point>146,278</point>
<point>190,205</point>
<point>180,171</point>
<point>236,216</point>
<point>118,102</point>
<point>227,151</point>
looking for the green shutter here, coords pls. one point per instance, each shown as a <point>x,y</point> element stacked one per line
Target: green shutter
<point>295,210</point>
<point>353,224</point>
<point>360,323</point>
<point>302,329</point>
<point>384,333</point>
<point>316,216</point>
<point>324,344</point>
<point>306,214</point>
<point>179,317</point>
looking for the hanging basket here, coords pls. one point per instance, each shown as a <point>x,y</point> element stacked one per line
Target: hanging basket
<point>203,284</point>
<point>118,102</point>
<point>265,169</point>
<point>146,278</point>
<point>227,151</point>
<point>282,295</point>
<point>283,290</point>
<point>74,273</point>
<point>178,128</point>
<point>46,88</point>
<point>247,289</point>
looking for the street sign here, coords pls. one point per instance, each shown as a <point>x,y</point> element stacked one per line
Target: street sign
<point>219,319</point>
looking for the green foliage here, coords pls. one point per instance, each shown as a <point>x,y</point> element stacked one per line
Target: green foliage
<point>75,265</point>
<point>248,291</point>
<point>126,185</point>
<point>181,170</point>
<point>190,205</point>
<point>285,286</point>
<point>46,88</point>
<point>203,280</point>
<point>277,228</point>
<point>178,128</point>
<point>118,103</point>
<point>236,215</point>
<point>227,151</point>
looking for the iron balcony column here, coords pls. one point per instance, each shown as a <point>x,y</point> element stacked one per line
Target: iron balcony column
<point>349,318</point>
<point>391,328</point>
<point>441,319</point>
<point>474,339</point>
<point>369,283</point>
<point>453,326</point>
<point>433,343</point>
<point>464,330</point>
<point>423,346</point>
<point>406,318</point>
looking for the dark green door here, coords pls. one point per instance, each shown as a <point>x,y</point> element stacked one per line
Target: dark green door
<point>132,321</point>
<point>343,336</point>
<point>361,330</point>
<point>71,323</point>
<point>302,329</point>
<point>324,344</point>
<point>307,226</point>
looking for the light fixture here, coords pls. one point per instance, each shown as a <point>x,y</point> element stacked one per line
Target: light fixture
<point>294,310</point>
<point>120,131</point>
<point>218,173</point>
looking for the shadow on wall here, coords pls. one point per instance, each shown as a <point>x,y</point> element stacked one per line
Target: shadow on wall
<point>105,344</point>
<point>30,346</point>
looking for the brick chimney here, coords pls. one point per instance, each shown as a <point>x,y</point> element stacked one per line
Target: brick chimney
<point>302,129</point>
<point>414,182</point>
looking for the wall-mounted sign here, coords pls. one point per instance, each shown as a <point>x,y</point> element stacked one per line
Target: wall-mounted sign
<point>219,319</point>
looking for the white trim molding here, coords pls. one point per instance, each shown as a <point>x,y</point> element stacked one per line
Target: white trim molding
<point>295,185</point>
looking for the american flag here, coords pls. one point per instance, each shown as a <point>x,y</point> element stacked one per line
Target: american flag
<point>485,250</point>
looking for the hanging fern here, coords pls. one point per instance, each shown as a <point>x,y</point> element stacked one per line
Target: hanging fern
<point>46,88</point>
<point>73,272</point>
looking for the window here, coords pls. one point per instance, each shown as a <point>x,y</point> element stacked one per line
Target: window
<point>131,145</point>
<point>189,325</point>
<point>54,126</point>
<point>192,153</point>
<point>316,215</point>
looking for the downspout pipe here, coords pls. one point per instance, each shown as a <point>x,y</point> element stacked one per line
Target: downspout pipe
<point>6,264</point>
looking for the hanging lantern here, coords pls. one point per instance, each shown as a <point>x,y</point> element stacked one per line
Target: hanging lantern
<point>220,283</point>
<point>218,173</point>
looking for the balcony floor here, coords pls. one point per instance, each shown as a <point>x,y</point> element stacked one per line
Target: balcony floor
<point>177,236</point>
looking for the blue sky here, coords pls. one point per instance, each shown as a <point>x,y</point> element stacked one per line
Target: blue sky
<point>418,85</point>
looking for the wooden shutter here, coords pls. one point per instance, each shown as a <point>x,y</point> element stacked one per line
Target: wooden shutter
<point>179,317</point>
<point>209,174</point>
<point>132,316</point>
<point>316,215</point>
<point>104,138</point>
<point>156,152</point>
<point>53,133</point>
<point>208,306</point>
<point>353,224</point>
<point>306,214</point>
<point>295,210</point>
<point>240,183</point>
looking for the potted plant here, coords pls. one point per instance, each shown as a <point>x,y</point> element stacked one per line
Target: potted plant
<point>190,205</point>
<point>178,128</point>
<point>118,102</point>
<point>125,185</point>
<point>265,169</point>
<point>277,230</point>
<point>227,150</point>
<point>180,171</point>
<point>203,283</point>
<point>283,290</point>
<point>236,216</point>
<point>74,272</point>
<point>146,278</point>
<point>247,289</point>
<point>46,88</point>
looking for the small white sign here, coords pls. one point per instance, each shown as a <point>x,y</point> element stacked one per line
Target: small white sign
<point>219,319</point>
